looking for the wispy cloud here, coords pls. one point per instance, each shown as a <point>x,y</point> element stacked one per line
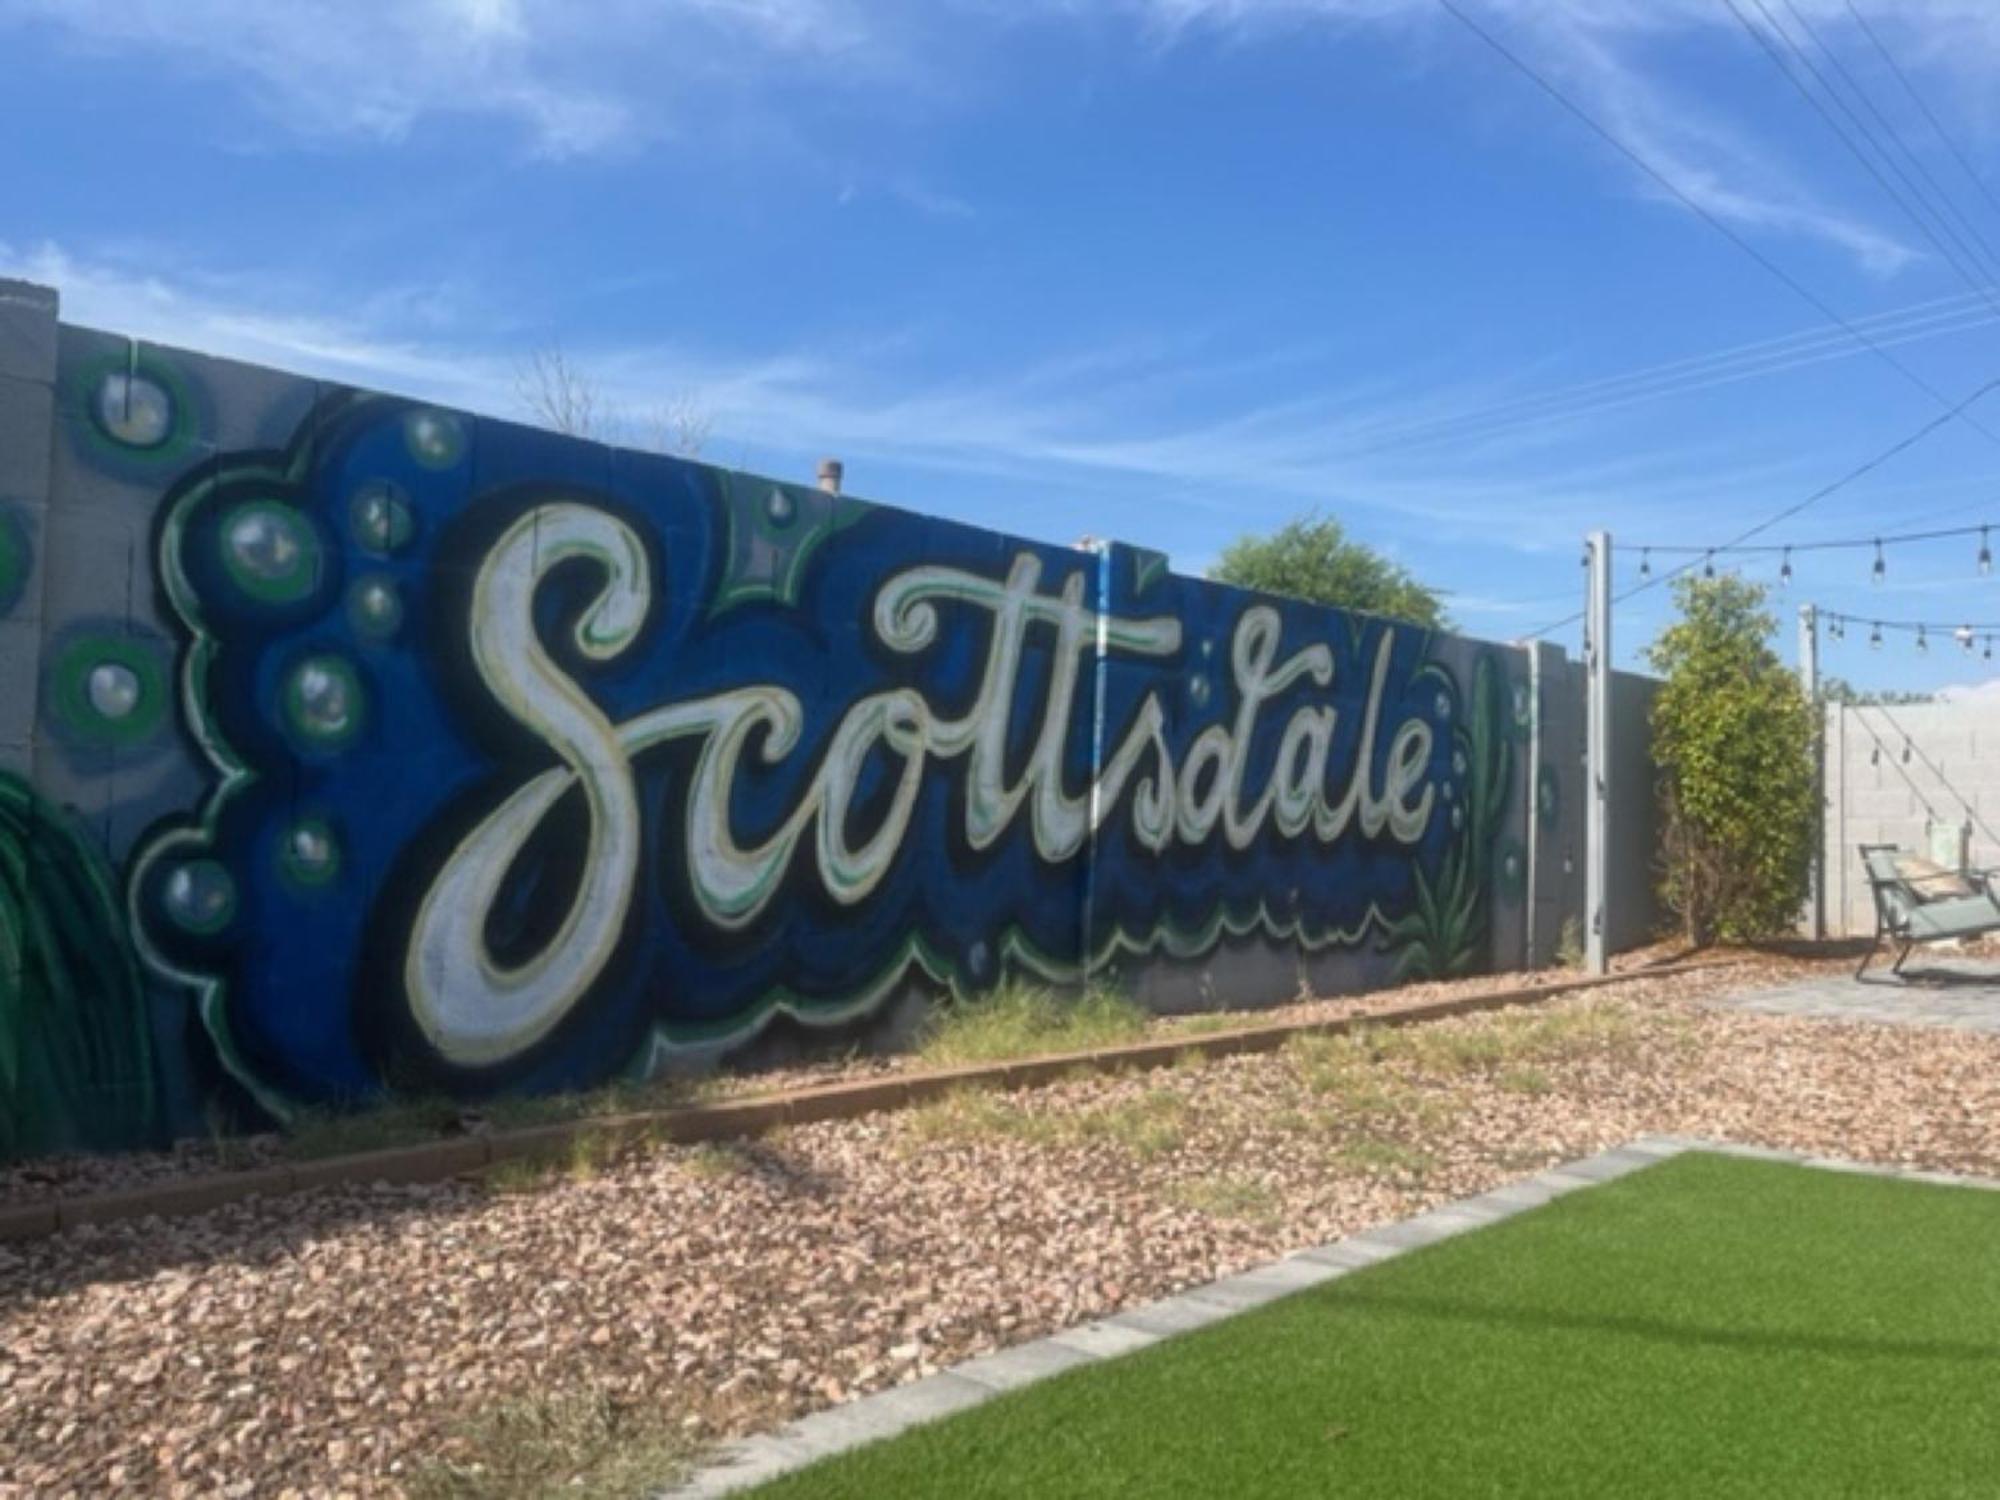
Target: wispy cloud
<point>576,76</point>
<point>1074,424</point>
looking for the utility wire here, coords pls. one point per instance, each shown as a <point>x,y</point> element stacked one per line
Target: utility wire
<point>1956,410</point>
<point>1936,124</point>
<point>1822,545</point>
<point>1789,511</point>
<point>1937,189</point>
<point>1783,39</point>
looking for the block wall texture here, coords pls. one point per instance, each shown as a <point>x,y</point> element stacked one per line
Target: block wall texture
<point>351,747</point>
<point>1892,774</point>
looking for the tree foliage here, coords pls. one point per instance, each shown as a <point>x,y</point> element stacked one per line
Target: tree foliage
<point>1733,736</point>
<point>1312,558</point>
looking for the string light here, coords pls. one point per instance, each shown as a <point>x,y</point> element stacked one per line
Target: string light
<point>1708,566</point>
<point>1785,571</point>
<point>1923,641</point>
<point>1881,568</point>
<point>1875,636</point>
<point>1964,633</point>
<point>1646,562</point>
<point>1985,553</point>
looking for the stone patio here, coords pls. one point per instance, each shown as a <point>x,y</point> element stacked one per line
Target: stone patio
<point>1936,988</point>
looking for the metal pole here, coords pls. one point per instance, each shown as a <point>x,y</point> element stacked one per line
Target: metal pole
<point>1597,759</point>
<point>1809,682</point>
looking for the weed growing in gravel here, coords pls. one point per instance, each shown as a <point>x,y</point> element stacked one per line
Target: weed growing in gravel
<point>1507,1042</point>
<point>583,1444</point>
<point>1530,1081</point>
<point>316,1133</point>
<point>1380,1156</point>
<point>1020,1020</point>
<point>1229,1198</point>
<point>714,1161</point>
<point>579,1159</point>
<point>1346,1070</point>
<point>1148,1126</point>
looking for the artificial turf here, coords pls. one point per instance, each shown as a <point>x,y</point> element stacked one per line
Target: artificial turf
<point>1707,1327</point>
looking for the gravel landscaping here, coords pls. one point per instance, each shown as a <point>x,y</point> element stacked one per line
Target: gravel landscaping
<point>475,1338</point>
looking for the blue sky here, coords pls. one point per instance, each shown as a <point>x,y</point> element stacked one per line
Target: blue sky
<point>1166,270</point>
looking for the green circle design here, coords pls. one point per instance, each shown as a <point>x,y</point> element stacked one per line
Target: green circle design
<point>325,704</point>
<point>375,608</point>
<point>309,853</point>
<point>1511,870</point>
<point>380,517</point>
<point>138,406</point>
<point>1548,797</point>
<point>200,896</point>
<point>271,552</point>
<point>77,679</point>
<point>436,439</point>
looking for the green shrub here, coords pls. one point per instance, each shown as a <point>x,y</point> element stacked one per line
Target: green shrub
<point>1733,735</point>
<point>1024,1020</point>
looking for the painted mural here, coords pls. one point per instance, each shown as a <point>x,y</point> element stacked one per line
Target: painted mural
<point>411,751</point>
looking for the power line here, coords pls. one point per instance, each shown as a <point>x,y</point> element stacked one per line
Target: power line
<point>1936,124</point>
<point>1860,92</point>
<point>1822,544</point>
<point>1857,472</point>
<point>1702,372</point>
<point>1784,39</point>
<point>1452,8</point>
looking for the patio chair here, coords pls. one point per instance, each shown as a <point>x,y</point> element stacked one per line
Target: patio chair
<point>1918,900</point>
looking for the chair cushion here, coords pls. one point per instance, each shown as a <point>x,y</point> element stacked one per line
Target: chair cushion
<point>1930,881</point>
<point>1955,916</point>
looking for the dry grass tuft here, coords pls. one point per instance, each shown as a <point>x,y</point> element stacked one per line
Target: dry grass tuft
<point>584,1444</point>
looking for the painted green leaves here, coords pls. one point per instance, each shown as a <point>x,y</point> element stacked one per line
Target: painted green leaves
<point>76,1055</point>
<point>1445,933</point>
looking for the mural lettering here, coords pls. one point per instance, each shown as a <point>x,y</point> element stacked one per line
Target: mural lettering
<point>447,754</point>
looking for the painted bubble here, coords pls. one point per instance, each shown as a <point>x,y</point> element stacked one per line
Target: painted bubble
<point>436,438</point>
<point>112,690</point>
<point>200,896</point>
<point>271,552</point>
<point>310,853</point>
<point>1443,705</point>
<point>780,508</point>
<point>381,518</point>
<point>1198,691</point>
<point>324,703</point>
<point>135,410</point>
<point>375,607</point>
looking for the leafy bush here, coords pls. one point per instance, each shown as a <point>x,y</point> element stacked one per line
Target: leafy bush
<point>1733,737</point>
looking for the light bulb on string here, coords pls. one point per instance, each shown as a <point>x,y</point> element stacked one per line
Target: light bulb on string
<point>1881,568</point>
<point>1646,562</point>
<point>1964,634</point>
<point>1923,641</point>
<point>1785,570</point>
<point>1985,553</point>
<point>1988,652</point>
<point>1708,566</point>
<point>1875,636</point>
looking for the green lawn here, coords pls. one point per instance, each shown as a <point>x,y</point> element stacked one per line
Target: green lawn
<point>1707,1327</point>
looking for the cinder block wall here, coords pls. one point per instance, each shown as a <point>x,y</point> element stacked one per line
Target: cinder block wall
<point>351,746</point>
<point>1892,770</point>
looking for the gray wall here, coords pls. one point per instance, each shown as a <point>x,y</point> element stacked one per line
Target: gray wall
<point>1890,772</point>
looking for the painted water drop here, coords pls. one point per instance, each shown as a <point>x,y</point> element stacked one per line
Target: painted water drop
<point>310,853</point>
<point>113,690</point>
<point>135,410</point>
<point>436,438</point>
<point>375,607</point>
<point>200,896</point>
<point>323,702</point>
<point>381,518</point>
<point>271,552</point>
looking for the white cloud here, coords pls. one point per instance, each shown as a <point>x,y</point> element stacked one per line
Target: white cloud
<point>577,76</point>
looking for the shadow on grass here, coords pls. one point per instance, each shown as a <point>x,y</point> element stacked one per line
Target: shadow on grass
<point>1541,1320</point>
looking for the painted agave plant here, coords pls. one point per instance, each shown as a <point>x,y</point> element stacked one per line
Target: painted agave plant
<point>1445,933</point>
<point>76,1053</point>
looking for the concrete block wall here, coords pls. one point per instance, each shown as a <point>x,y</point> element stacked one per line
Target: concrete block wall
<point>358,746</point>
<point>1891,771</point>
